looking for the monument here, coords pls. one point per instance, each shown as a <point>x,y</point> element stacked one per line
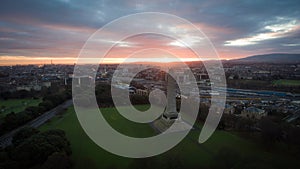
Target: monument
<point>170,116</point>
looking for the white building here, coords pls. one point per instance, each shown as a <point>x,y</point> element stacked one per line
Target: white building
<point>253,113</point>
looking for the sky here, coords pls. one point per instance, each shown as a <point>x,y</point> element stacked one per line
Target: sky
<point>38,31</point>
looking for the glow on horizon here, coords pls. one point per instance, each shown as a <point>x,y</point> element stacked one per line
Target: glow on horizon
<point>24,60</point>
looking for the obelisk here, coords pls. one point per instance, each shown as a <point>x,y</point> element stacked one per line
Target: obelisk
<point>170,114</point>
<point>171,120</point>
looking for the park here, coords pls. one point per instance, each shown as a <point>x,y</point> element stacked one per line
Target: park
<point>233,149</point>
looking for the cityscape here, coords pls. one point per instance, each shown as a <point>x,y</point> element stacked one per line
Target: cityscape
<point>66,103</point>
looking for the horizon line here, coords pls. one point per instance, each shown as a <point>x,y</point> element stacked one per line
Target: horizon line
<point>30,60</point>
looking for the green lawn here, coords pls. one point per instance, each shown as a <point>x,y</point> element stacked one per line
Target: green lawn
<point>87,154</point>
<point>16,105</point>
<point>286,82</point>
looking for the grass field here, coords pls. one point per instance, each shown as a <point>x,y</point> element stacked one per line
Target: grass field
<point>286,82</point>
<point>16,105</point>
<point>247,82</point>
<point>87,154</point>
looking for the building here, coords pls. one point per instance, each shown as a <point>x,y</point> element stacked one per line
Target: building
<point>142,92</point>
<point>253,113</point>
<point>132,90</point>
<point>228,109</point>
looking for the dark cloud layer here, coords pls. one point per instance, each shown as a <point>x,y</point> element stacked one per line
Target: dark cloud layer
<point>60,27</point>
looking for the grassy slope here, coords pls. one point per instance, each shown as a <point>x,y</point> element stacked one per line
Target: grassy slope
<point>16,105</point>
<point>86,154</point>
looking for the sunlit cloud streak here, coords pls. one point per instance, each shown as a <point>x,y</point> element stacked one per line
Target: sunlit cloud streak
<point>271,32</point>
<point>59,29</point>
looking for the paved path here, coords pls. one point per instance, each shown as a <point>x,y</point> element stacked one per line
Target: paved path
<point>6,139</point>
<point>155,126</point>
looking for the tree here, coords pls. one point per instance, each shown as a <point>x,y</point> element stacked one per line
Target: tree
<point>23,134</point>
<point>57,160</point>
<point>46,105</point>
<point>244,124</point>
<point>270,131</point>
<point>203,112</point>
<point>137,99</point>
<point>36,149</point>
<point>34,111</point>
<point>103,95</point>
<point>58,139</point>
<point>10,121</point>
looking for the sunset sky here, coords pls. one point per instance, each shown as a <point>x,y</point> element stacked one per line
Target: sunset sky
<point>38,31</point>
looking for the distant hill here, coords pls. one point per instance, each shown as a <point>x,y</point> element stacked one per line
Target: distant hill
<point>271,58</point>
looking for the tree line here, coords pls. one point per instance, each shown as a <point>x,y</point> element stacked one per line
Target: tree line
<point>14,120</point>
<point>37,150</point>
<point>269,129</point>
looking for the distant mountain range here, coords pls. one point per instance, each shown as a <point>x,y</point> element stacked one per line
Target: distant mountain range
<point>270,58</point>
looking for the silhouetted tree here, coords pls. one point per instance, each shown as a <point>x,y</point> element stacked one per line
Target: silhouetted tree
<point>23,134</point>
<point>57,160</point>
<point>36,149</point>
<point>270,131</point>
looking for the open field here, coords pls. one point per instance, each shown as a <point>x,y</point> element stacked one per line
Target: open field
<point>188,153</point>
<point>247,82</point>
<point>16,105</point>
<point>286,82</point>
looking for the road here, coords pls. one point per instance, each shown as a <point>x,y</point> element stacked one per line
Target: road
<point>6,139</point>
